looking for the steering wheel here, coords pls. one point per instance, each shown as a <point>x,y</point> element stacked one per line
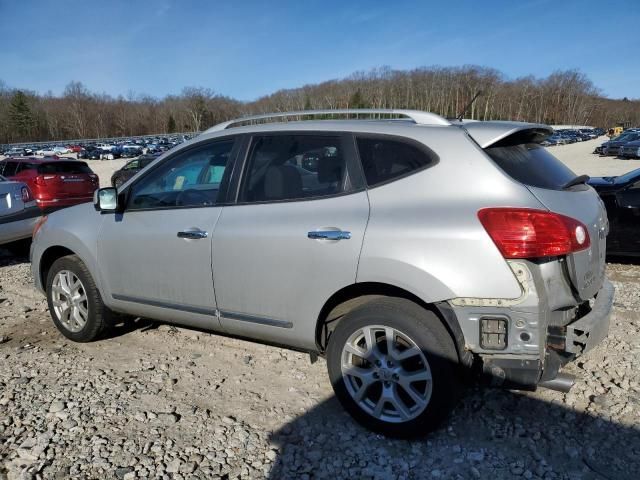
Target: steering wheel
<point>194,197</point>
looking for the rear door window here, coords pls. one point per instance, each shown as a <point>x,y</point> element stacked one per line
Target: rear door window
<point>386,159</point>
<point>64,167</point>
<point>532,165</point>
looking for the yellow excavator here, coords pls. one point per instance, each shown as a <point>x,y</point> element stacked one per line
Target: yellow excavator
<point>614,132</point>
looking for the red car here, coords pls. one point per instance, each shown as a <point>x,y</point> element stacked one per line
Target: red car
<point>74,148</point>
<point>54,182</point>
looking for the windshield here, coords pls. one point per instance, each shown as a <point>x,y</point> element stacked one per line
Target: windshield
<point>532,165</point>
<point>622,138</point>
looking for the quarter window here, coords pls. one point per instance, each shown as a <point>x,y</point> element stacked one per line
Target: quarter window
<point>185,180</point>
<point>291,167</point>
<point>385,159</point>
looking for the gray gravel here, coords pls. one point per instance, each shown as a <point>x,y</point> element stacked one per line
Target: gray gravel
<point>171,403</point>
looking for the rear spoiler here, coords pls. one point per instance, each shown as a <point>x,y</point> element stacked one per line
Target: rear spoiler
<point>502,134</point>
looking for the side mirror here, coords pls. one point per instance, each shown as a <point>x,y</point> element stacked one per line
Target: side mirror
<point>105,199</point>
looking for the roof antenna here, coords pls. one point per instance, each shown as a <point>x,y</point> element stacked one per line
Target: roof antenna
<point>468,106</point>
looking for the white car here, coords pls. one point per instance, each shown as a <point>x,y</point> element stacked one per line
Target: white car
<point>49,151</point>
<point>18,211</point>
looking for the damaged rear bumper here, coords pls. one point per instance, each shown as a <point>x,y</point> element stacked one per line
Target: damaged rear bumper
<point>588,331</point>
<point>564,344</point>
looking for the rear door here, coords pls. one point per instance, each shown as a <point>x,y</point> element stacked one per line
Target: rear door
<point>293,238</point>
<point>545,176</point>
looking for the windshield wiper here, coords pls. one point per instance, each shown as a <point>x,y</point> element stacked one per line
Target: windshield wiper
<point>576,181</point>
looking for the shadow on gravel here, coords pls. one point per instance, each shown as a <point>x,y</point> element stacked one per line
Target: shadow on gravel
<point>491,434</point>
<point>14,254</point>
<point>124,325</point>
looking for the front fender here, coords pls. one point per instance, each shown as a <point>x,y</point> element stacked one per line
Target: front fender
<point>75,229</point>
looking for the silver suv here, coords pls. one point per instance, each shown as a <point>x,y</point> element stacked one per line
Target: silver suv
<point>405,248</point>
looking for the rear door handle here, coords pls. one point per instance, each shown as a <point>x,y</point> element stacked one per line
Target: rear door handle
<point>192,234</point>
<point>329,235</point>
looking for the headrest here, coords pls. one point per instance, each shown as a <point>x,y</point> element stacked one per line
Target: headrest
<point>282,182</point>
<point>330,169</point>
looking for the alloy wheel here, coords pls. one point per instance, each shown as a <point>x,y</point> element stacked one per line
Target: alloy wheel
<point>69,299</point>
<point>386,373</point>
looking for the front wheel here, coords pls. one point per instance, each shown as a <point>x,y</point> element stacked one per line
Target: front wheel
<point>75,303</point>
<point>394,367</point>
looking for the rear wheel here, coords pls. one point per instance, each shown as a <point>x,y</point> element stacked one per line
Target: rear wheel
<point>394,367</point>
<point>75,303</point>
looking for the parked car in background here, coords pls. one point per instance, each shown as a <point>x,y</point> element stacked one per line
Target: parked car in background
<point>54,183</point>
<point>131,168</point>
<point>15,152</point>
<point>588,133</point>
<point>621,197</point>
<point>50,151</point>
<point>554,140</point>
<point>630,150</point>
<point>396,264</point>
<point>18,211</point>
<point>612,147</point>
<point>90,153</point>
<point>130,151</point>
<point>107,147</point>
<point>113,154</point>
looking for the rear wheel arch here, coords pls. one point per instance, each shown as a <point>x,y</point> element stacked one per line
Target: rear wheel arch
<point>357,294</point>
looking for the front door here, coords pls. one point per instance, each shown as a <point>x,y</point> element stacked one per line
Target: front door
<point>293,238</point>
<point>156,255</point>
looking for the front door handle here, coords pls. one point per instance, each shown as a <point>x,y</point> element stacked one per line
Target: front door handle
<point>329,235</point>
<point>192,234</point>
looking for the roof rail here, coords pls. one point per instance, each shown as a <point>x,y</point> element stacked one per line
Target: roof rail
<point>418,116</point>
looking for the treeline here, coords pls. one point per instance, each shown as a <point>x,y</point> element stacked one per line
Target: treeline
<point>565,97</point>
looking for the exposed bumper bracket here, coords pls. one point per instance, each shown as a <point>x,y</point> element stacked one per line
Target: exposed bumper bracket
<point>585,333</point>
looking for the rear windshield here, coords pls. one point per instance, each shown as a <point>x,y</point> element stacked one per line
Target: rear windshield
<point>532,165</point>
<point>64,167</point>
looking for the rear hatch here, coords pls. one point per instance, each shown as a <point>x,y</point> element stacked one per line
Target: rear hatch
<point>67,179</point>
<point>520,156</point>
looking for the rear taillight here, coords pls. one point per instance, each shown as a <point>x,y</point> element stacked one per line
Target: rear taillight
<point>93,177</point>
<point>42,179</point>
<point>528,233</point>
<point>26,194</point>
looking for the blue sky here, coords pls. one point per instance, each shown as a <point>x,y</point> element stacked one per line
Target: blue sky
<point>246,49</point>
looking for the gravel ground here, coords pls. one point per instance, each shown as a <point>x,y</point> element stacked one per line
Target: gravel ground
<point>154,401</point>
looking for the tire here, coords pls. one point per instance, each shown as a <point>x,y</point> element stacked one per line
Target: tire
<point>430,352</point>
<point>95,314</point>
<point>117,183</point>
